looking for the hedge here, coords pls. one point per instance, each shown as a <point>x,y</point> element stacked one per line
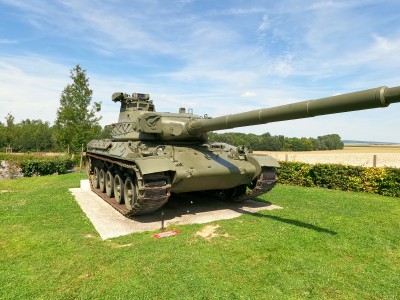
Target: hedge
<point>383,181</point>
<point>33,165</point>
<point>46,167</point>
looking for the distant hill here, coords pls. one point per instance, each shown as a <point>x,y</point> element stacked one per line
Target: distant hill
<point>366,143</point>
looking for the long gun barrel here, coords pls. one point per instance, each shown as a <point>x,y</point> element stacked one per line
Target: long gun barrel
<point>367,99</point>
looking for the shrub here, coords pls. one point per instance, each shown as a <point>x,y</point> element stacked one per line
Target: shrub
<point>32,164</point>
<point>46,167</point>
<point>383,181</point>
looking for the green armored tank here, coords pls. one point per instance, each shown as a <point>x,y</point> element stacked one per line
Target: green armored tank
<point>151,155</point>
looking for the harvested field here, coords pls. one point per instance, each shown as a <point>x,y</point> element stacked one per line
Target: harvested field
<point>368,156</point>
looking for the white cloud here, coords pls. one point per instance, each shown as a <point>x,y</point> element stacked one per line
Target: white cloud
<point>385,46</point>
<point>283,66</point>
<point>31,87</point>
<point>265,24</point>
<point>248,94</point>
<point>326,5</point>
<point>237,11</point>
<point>7,41</point>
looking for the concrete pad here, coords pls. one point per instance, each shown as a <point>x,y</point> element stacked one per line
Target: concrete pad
<point>180,209</point>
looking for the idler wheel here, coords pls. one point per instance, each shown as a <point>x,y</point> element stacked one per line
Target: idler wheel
<point>130,193</point>
<point>96,175</point>
<point>109,184</point>
<point>119,189</point>
<point>102,181</point>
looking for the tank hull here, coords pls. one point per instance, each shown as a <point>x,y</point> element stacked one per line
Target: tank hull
<point>185,168</point>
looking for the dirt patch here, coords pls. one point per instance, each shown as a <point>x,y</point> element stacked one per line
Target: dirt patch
<point>209,231</point>
<point>117,246</point>
<point>89,236</point>
<point>85,276</point>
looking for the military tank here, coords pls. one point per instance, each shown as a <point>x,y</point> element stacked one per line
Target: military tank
<point>151,155</point>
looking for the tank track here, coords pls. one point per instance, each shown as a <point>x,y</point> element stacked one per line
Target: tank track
<point>153,189</point>
<point>264,183</point>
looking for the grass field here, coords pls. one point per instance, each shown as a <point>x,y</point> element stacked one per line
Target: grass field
<point>324,244</point>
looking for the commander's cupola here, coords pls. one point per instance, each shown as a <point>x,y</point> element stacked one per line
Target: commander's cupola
<point>133,105</point>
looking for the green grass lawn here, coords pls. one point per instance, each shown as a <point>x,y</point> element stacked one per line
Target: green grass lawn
<point>324,244</point>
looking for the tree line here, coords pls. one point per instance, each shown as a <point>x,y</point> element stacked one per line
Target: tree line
<point>39,136</point>
<point>268,142</point>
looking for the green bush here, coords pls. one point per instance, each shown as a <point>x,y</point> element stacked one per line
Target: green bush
<point>382,181</point>
<point>18,157</point>
<point>46,167</point>
<point>32,164</point>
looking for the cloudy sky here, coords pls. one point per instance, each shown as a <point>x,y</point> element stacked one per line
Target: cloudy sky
<point>217,57</point>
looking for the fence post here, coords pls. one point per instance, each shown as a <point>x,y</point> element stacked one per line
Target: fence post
<point>374,161</point>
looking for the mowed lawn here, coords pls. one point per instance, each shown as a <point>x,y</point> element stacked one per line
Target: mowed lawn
<point>323,245</point>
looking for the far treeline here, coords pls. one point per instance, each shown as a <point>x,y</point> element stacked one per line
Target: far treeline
<point>39,136</point>
<point>268,142</point>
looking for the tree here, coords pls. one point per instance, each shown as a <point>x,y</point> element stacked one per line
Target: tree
<point>76,121</point>
<point>2,135</point>
<point>33,135</point>
<point>272,143</point>
<point>10,136</point>
<point>331,141</point>
<point>267,142</point>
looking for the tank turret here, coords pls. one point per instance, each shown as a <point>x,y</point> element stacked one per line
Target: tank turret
<point>138,119</point>
<point>152,154</point>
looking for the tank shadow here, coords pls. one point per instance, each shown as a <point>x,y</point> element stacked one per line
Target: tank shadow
<point>292,222</point>
<point>190,204</point>
<point>187,204</point>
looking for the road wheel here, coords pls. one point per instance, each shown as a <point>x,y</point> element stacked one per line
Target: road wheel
<point>109,184</point>
<point>118,189</point>
<point>102,181</point>
<point>96,175</point>
<point>130,193</point>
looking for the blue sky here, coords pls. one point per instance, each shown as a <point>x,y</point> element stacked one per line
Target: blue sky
<point>217,57</point>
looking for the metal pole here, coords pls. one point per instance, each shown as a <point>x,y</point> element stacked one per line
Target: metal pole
<point>162,222</point>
